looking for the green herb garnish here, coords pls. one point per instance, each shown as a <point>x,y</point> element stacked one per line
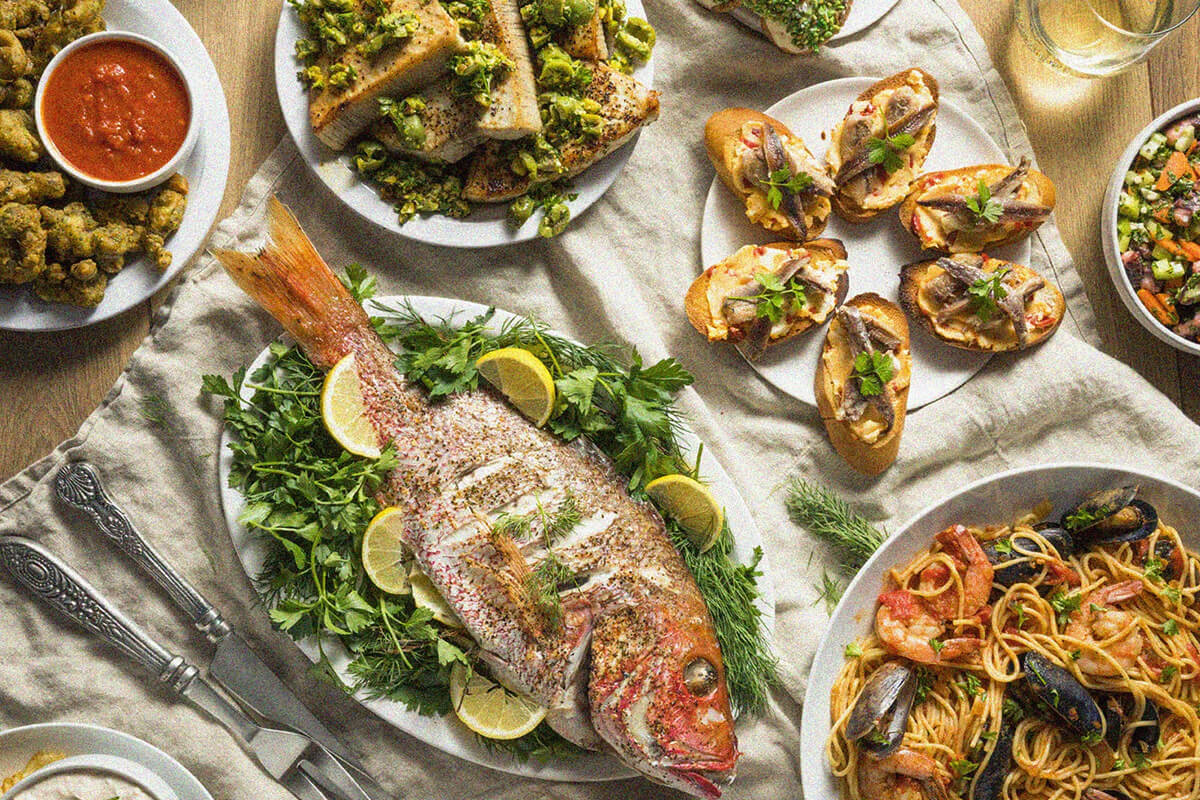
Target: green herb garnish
<point>985,294</point>
<point>873,371</point>
<point>983,206</point>
<point>887,151</point>
<point>810,24</point>
<point>1170,627</point>
<point>783,179</point>
<point>476,69</point>
<point>831,519</point>
<point>854,650</point>
<point>1003,546</point>
<point>831,591</point>
<point>925,682</point>
<point>1065,605</point>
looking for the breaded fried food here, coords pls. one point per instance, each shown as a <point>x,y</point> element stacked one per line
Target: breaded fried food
<point>64,284</point>
<point>18,138</point>
<point>14,61</point>
<point>18,94</point>
<point>65,24</point>
<point>156,214</point>
<point>16,15</point>
<point>22,243</point>
<point>38,760</point>
<point>31,187</point>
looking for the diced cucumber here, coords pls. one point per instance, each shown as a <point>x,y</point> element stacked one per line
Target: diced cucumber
<point>1150,195</point>
<point>1165,270</point>
<point>1129,206</point>
<point>1187,135</point>
<point>1152,146</point>
<point>1155,230</point>
<point>1131,178</point>
<point>1160,254</point>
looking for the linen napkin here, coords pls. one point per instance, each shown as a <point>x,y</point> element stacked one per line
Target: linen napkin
<point>617,275</point>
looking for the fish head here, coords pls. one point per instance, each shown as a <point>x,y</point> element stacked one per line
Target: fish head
<point>665,708</point>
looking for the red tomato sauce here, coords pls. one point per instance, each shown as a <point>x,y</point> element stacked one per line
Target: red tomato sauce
<point>116,110</point>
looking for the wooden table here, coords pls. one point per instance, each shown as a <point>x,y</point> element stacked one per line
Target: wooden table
<point>49,384</point>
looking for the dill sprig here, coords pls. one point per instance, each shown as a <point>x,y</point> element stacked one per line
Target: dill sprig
<point>831,519</point>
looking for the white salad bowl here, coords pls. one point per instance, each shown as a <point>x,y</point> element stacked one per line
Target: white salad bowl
<point>1108,226</point>
<point>994,500</point>
<point>131,771</point>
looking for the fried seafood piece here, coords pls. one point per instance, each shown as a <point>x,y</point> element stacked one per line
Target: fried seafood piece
<point>31,187</point>
<point>66,23</point>
<point>73,234</point>
<point>22,243</point>
<point>156,214</point>
<point>14,61</point>
<point>18,94</point>
<point>78,284</point>
<point>18,140</point>
<point>17,15</point>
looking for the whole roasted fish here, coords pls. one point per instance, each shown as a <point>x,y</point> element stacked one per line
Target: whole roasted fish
<point>625,657</point>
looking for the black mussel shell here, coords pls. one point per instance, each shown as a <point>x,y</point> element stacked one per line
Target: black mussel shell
<point>880,713</point>
<point>1114,719</point>
<point>1135,521</point>
<point>988,782</point>
<point>1144,738</point>
<point>1060,697</point>
<point>1118,714</point>
<point>1174,560</point>
<point>1022,570</point>
<point>1097,507</point>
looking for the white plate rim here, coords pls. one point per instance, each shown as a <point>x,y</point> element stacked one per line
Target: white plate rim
<point>851,86</point>
<point>857,20</point>
<point>486,227</point>
<point>859,597</point>
<point>89,739</point>
<point>1112,250</point>
<point>209,159</point>
<point>447,734</point>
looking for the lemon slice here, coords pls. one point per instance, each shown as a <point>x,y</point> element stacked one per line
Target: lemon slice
<point>489,709</point>
<point>426,596</point>
<point>692,505</point>
<point>523,379</point>
<point>384,556</point>
<point>343,411</point>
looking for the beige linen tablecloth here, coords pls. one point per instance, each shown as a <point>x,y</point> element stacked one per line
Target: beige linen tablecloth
<point>617,275</point>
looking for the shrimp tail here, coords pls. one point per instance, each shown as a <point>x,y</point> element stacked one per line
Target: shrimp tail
<point>291,281</point>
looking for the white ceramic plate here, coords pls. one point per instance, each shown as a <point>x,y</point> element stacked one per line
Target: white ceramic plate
<point>876,249</point>
<point>487,226</point>
<point>72,739</point>
<point>206,170</point>
<point>997,499</point>
<point>447,733</point>
<point>863,14</point>
<point>1108,222</point>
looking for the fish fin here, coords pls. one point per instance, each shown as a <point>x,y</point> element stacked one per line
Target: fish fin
<point>293,283</point>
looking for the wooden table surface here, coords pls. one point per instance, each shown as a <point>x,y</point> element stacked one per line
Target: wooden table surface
<point>50,383</point>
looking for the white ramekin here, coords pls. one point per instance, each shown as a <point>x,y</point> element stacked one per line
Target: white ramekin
<point>137,184</point>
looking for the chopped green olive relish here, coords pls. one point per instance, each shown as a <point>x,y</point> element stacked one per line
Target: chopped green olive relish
<point>810,24</point>
<point>333,27</point>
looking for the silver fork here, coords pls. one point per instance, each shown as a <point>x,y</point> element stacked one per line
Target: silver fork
<point>302,766</point>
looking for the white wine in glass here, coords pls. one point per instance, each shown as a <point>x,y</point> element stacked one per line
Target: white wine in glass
<point>1094,38</point>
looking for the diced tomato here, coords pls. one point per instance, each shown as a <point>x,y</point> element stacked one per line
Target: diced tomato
<point>902,603</point>
<point>760,251</point>
<point>1039,320</point>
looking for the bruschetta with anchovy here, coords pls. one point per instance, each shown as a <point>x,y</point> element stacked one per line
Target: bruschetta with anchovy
<point>978,303</point>
<point>862,382</point>
<point>785,189</point>
<point>877,150</point>
<point>765,294</point>
<point>970,209</point>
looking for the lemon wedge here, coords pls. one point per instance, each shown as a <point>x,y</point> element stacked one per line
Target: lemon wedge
<point>489,709</point>
<point>384,556</point>
<point>692,505</point>
<point>426,596</point>
<point>343,410</point>
<point>523,379</point>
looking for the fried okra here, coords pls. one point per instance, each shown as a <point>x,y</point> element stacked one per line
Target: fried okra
<point>18,138</point>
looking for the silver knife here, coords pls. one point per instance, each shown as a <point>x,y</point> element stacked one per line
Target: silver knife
<point>301,765</point>
<point>234,665</point>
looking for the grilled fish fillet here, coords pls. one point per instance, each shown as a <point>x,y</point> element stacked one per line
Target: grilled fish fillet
<point>632,663</point>
<point>451,127</point>
<point>337,115</point>
<point>585,41</point>
<point>626,106</point>
<point>514,109</point>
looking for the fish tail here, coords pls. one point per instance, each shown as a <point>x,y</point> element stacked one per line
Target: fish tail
<point>292,282</point>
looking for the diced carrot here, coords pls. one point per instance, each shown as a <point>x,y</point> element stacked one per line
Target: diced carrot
<point>1191,250</point>
<point>1192,147</point>
<point>1167,301</point>
<point>1163,215</point>
<point>1177,165</point>
<point>1170,246</point>
<point>1156,307</point>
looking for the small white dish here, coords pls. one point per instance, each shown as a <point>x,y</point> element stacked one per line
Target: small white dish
<point>77,739</point>
<point>136,184</point>
<point>863,14</point>
<point>129,771</point>
<point>1108,226</point>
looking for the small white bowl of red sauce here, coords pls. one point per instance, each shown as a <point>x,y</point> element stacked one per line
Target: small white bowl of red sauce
<point>115,111</point>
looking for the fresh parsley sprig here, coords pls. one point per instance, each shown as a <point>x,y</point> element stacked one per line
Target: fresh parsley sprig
<point>985,294</point>
<point>984,208</point>
<point>782,179</point>
<point>777,297</point>
<point>873,371</point>
<point>887,151</point>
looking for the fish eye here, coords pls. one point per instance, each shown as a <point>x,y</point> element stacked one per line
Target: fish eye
<point>700,676</point>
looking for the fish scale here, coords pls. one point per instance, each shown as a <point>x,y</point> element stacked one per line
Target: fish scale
<point>632,662</point>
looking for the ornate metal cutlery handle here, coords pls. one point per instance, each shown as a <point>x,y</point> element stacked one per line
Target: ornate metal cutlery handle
<point>57,584</point>
<point>78,485</point>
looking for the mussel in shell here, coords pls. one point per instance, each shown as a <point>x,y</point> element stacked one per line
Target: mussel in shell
<point>1022,568</point>
<point>880,713</point>
<point>1053,691</point>
<point>988,783</point>
<point>1109,517</point>
<point>1171,556</point>
<point>1119,715</point>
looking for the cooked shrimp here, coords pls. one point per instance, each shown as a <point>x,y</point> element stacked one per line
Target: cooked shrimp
<point>906,627</point>
<point>974,569</point>
<point>1114,642</point>
<point>904,775</point>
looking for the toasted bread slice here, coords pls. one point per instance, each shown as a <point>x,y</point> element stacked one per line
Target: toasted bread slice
<point>935,210</point>
<point>940,304</point>
<point>451,127</point>
<point>339,114</point>
<point>626,106</point>
<point>586,41</point>
<point>778,33</point>
<point>865,188</point>
<point>733,139</point>
<point>869,444</point>
<point>514,110</point>
<point>712,313</point>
